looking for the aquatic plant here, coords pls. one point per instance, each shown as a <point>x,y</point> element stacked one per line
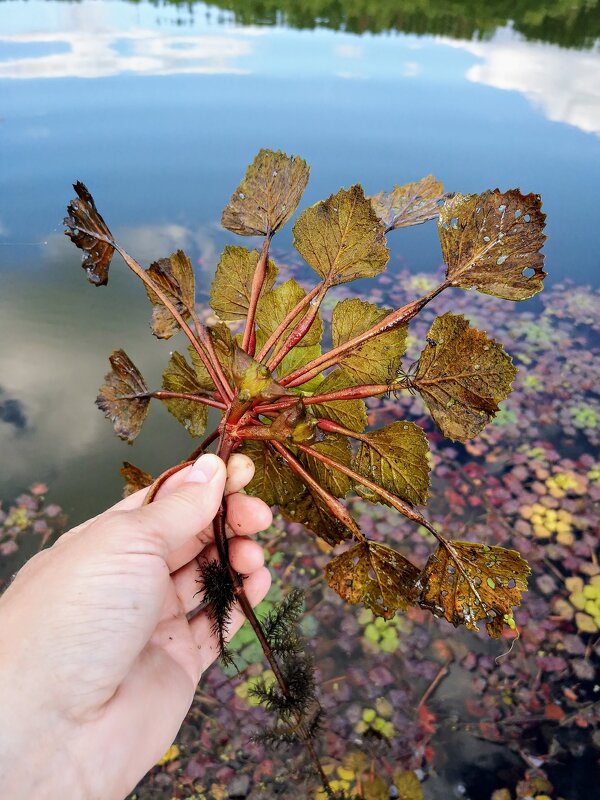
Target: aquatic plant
<point>299,411</point>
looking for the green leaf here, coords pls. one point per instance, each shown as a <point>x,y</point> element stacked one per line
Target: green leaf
<point>338,448</point>
<point>462,376</point>
<point>491,242</point>
<point>273,481</point>
<point>274,306</point>
<point>299,357</point>
<point>232,285</point>
<point>468,582</point>
<point>375,361</point>
<point>411,204</point>
<point>179,376</point>
<point>375,575</point>
<point>395,458</point>
<point>135,478</point>
<point>268,195</point>
<point>342,238</point>
<point>352,414</point>
<point>124,397</point>
<point>87,230</point>
<point>175,276</point>
<point>308,509</point>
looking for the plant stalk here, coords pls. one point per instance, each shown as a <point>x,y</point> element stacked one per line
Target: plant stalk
<point>258,280</point>
<point>393,320</point>
<point>287,321</point>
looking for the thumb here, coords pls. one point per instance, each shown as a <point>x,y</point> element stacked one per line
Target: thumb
<point>184,513</point>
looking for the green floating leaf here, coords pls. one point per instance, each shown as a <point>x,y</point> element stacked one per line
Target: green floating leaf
<point>175,276</point>
<point>375,361</point>
<point>273,480</point>
<point>491,242</point>
<point>334,481</point>
<point>395,458</point>
<point>274,306</point>
<point>268,195</point>
<point>352,414</point>
<point>410,204</point>
<point>468,582</point>
<point>179,376</point>
<point>135,478</point>
<point>375,575</point>
<point>462,376</point>
<point>232,285</point>
<point>342,238</point>
<point>124,398</point>
<point>87,230</point>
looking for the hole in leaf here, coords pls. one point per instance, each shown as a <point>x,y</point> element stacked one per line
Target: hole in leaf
<point>528,272</point>
<point>500,260</point>
<point>502,208</point>
<point>518,213</point>
<point>527,217</point>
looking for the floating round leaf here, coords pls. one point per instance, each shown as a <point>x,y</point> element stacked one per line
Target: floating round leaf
<point>175,277</point>
<point>124,398</point>
<point>410,204</point>
<point>88,231</point>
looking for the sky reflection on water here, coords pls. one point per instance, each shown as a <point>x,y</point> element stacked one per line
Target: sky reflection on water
<point>159,111</point>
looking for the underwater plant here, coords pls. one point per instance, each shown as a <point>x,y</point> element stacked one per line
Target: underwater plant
<point>298,410</point>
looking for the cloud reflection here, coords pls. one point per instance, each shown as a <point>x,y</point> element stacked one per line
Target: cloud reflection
<point>563,84</point>
<point>101,53</point>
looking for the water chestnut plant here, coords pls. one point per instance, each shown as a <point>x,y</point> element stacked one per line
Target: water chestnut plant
<point>296,406</point>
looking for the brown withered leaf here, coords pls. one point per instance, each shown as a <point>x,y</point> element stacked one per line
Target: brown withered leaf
<point>135,478</point>
<point>352,414</point>
<point>308,509</point>
<point>273,481</point>
<point>338,448</point>
<point>88,231</point>
<point>395,458</point>
<point>175,277</point>
<point>179,376</point>
<point>375,361</point>
<point>268,195</point>
<point>462,376</point>
<point>410,204</point>
<point>468,582</point>
<point>375,575</point>
<point>342,238</point>
<point>491,241</point>
<point>124,397</point>
<point>274,306</point>
<point>232,285</point>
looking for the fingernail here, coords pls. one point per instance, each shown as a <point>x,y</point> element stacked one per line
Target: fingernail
<point>203,470</point>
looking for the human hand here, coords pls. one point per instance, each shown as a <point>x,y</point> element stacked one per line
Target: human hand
<point>98,661</point>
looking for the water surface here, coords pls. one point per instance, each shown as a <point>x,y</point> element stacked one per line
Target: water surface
<point>159,108</point>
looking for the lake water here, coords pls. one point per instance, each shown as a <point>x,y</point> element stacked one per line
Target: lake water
<point>158,108</point>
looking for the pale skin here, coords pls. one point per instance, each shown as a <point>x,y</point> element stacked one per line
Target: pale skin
<point>98,661</point>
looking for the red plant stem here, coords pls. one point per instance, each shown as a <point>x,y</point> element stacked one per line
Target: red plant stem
<point>400,505</point>
<point>222,543</point>
<point>203,445</point>
<point>287,321</point>
<point>300,329</point>
<point>393,320</point>
<point>161,480</point>
<point>258,280</point>
<point>351,393</point>
<point>142,274</point>
<point>207,341</point>
<point>193,398</point>
<point>333,504</point>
